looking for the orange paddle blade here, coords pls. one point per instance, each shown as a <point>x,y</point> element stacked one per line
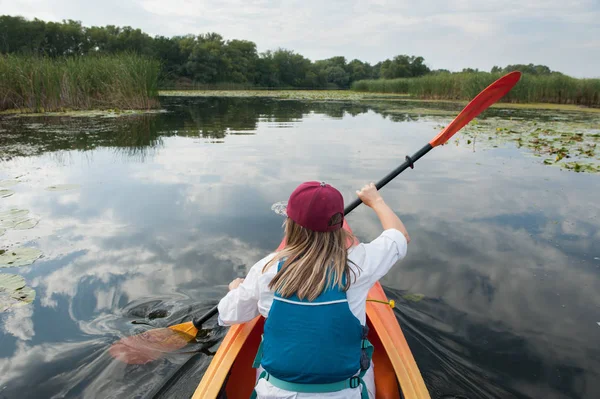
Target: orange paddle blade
<point>186,328</point>
<point>153,344</point>
<point>487,97</point>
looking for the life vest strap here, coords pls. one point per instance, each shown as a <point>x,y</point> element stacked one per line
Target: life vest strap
<point>352,382</point>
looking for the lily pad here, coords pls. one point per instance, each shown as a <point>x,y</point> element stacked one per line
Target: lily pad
<point>14,292</point>
<point>17,219</point>
<point>11,282</point>
<point>8,183</point>
<point>26,224</point>
<point>413,297</point>
<point>6,193</point>
<point>16,257</point>
<point>62,187</point>
<point>13,213</point>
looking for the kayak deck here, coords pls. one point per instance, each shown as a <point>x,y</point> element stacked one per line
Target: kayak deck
<point>396,372</point>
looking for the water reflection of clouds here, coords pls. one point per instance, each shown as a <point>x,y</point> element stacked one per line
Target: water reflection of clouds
<point>177,228</point>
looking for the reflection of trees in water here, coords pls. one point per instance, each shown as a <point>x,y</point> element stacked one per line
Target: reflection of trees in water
<point>26,136</point>
<point>137,135</point>
<point>205,117</point>
<point>217,117</point>
<point>463,355</point>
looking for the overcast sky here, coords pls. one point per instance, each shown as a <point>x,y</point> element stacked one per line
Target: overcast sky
<point>450,34</point>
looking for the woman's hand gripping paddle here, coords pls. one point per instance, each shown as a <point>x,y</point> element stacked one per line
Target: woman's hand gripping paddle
<point>152,344</point>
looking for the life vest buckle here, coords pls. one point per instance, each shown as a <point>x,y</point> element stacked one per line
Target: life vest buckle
<point>354,382</point>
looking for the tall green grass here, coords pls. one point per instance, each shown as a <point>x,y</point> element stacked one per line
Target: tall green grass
<point>38,84</point>
<point>554,88</point>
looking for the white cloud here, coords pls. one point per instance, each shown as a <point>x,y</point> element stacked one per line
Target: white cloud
<point>19,324</point>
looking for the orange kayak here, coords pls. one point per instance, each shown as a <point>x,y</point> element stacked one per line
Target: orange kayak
<point>396,372</point>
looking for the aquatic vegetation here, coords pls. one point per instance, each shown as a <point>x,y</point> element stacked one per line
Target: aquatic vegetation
<point>553,88</point>
<point>569,145</point>
<point>17,257</point>
<point>315,95</point>
<point>62,187</point>
<point>135,133</point>
<point>382,102</point>
<point>106,113</point>
<point>6,193</point>
<point>43,84</point>
<point>17,219</point>
<point>413,297</point>
<point>14,292</point>
<point>8,183</point>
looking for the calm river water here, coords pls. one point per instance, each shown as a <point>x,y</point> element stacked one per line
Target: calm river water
<point>161,211</point>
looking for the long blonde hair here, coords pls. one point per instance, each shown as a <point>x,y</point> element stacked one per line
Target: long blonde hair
<point>312,260</point>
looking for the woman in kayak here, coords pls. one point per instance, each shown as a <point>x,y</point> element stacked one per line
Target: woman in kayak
<point>313,295</point>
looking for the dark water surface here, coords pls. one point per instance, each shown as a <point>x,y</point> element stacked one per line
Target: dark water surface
<point>169,208</point>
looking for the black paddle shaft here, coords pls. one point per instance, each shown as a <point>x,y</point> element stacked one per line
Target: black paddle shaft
<point>409,163</point>
<point>200,320</point>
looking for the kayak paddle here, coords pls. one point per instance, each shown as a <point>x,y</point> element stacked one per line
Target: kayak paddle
<point>150,345</point>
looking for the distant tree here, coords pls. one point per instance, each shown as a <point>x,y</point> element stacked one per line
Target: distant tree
<point>167,50</point>
<point>206,63</point>
<point>418,67</point>
<point>359,70</point>
<point>239,58</point>
<point>209,58</point>
<point>525,68</point>
<point>291,68</point>
<point>403,66</point>
<point>338,76</point>
<point>267,74</point>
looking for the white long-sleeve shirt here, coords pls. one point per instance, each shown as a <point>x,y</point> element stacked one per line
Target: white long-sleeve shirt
<point>254,297</point>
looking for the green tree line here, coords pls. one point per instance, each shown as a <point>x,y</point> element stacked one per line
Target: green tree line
<point>208,58</point>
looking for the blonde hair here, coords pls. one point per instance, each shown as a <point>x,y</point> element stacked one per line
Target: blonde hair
<point>312,260</point>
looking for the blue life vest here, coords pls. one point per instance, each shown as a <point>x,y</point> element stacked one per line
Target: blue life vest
<point>311,344</point>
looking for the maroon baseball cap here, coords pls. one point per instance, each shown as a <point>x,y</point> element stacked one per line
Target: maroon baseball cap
<point>316,206</point>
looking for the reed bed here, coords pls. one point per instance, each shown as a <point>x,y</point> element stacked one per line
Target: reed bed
<point>43,84</point>
<point>553,88</point>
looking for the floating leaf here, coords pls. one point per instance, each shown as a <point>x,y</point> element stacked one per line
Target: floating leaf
<point>26,224</point>
<point>63,187</point>
<point>11,282</point>
<point>8,183</point>
<point>19,257</point>
<point>13,213</point>
<point>158,314</point>
<point>6,193</point>
<point>413,297</point>
<point>14,292</point>
<point>17,219</point>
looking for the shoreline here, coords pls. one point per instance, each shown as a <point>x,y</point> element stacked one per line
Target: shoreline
<point>347,95</point>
